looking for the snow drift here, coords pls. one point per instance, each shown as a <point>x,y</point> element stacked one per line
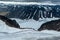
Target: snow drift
<point>8,33</point>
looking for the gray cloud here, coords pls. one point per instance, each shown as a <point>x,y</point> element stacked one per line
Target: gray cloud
<point>32,0</point>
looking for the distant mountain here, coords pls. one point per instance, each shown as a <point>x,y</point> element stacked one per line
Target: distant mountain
<point>30,10</point>
<point>34,11</point>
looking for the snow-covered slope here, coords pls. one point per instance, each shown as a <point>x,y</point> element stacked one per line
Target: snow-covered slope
<point>5,28</point>
<point>8,33</point>
<point>32,23</point>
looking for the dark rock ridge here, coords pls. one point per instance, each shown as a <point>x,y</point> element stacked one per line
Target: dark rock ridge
<point>9,22</point>
<point>51,25</point>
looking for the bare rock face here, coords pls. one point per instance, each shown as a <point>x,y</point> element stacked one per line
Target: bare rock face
<point>51,25</point>
<point>9,22</point>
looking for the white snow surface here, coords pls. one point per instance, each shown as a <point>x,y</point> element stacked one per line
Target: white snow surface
<point>32,23</point>
<point>10,33</point>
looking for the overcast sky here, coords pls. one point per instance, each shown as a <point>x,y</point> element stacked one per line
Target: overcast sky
<point>32,0</point>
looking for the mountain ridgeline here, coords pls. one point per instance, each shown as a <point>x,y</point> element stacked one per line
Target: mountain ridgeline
<point>33,11</point>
